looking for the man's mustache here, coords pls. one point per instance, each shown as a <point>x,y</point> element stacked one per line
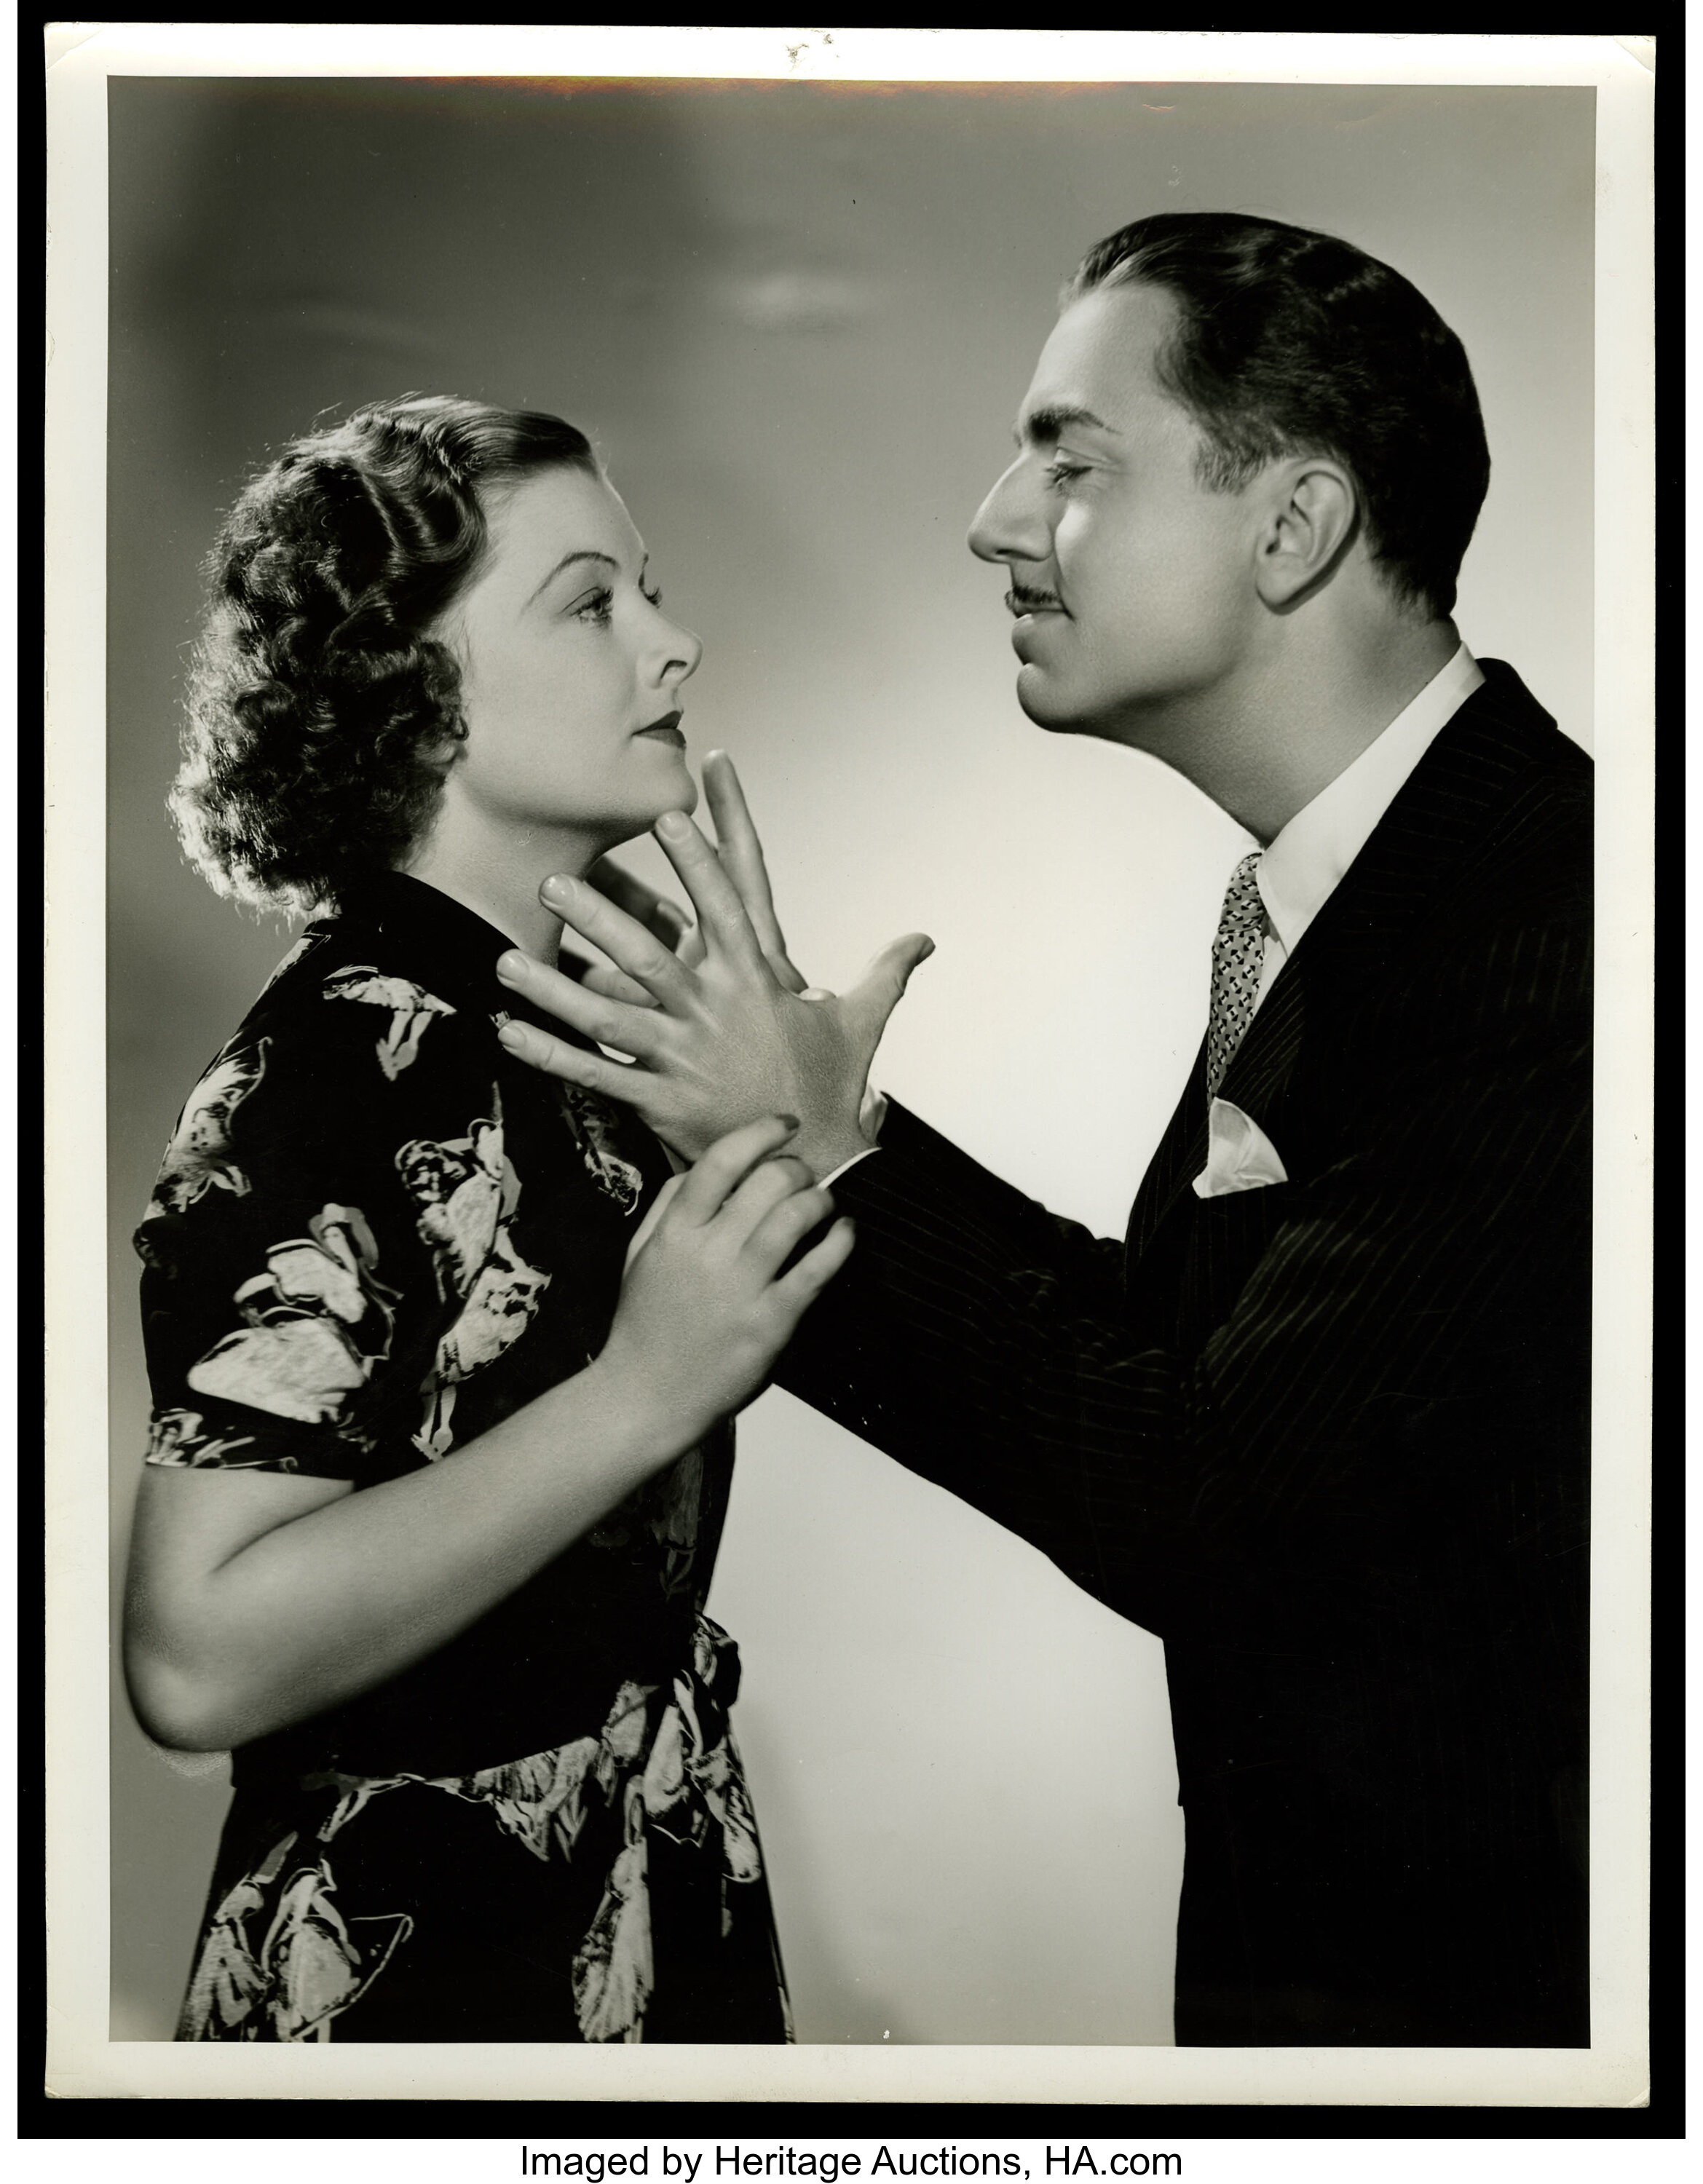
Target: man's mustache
<point>1021,600</point>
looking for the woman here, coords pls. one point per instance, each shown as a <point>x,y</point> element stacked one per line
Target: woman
<point>434,1493</point>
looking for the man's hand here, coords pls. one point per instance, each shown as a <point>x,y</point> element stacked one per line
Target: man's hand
<point>741,851</point>
<point>718,1043</point>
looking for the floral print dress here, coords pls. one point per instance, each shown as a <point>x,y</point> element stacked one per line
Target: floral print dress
<point>374,1236</point>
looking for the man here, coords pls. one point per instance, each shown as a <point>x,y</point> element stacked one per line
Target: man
<point>1320,1422</point>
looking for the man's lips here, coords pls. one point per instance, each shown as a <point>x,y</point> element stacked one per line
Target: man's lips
<point>666,731</point>
<point>1032,609</point>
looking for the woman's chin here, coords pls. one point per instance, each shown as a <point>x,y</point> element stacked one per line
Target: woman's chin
<point>638,820</point>
<point>686,798</point>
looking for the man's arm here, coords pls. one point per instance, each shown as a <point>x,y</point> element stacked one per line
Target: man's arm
<point>966,1339</point>
<point>1401,1281</point>
<point>1126,1437</point>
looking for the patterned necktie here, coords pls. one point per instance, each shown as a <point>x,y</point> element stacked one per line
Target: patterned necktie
<point>1238,957</point>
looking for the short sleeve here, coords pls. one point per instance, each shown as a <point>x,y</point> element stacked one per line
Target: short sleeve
<point>336,1165</point>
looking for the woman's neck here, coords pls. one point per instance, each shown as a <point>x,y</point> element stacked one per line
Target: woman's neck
<point>497,871</point>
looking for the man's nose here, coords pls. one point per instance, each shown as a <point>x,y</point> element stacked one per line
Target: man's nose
<point>1011,524</point>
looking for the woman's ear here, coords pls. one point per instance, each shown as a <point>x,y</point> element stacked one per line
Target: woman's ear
<point>1314,515</point>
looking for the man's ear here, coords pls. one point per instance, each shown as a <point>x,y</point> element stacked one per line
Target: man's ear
<point>1313,514</point>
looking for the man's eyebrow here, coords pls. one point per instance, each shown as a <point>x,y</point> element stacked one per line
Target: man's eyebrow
<point>568,561</point>
<point>1046,424</point>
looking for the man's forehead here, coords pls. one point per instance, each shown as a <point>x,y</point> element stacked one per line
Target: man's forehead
<point>1096,371</point>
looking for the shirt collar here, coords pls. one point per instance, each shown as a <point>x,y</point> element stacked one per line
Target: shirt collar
<point>1305,862</point>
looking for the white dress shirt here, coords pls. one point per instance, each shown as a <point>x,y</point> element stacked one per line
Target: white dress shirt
<point>1300,871</point>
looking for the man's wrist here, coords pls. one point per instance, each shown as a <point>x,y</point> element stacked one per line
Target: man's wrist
<point>829,1152</point>
<point>825,1153</point>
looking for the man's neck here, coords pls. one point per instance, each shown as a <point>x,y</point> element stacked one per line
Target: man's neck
<point>1333,710</point>
<point>1265,748</point>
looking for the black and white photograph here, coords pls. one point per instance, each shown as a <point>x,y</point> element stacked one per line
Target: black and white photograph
<point>851,1283</point>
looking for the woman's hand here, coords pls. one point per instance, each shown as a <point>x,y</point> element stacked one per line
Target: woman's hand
<point>705,1309</point>
<point>258,1599</point>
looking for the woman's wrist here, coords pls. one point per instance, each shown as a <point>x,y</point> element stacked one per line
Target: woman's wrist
<point>647,1421</point>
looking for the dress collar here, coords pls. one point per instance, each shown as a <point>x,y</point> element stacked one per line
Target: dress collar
<point>429,932</point>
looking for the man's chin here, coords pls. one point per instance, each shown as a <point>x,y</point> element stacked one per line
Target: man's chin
<point>1044,703</point>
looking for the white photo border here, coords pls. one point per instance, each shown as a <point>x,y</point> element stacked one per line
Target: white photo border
<point>82,2061</point>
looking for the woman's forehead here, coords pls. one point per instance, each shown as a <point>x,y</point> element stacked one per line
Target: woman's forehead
<point>540,521</point>
<point>550,497</point>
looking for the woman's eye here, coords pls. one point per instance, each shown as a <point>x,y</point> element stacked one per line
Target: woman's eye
<point>597,606</point>
<point>652,591</point>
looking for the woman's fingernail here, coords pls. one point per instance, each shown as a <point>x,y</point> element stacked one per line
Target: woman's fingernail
<point>791,1121</point>
<point>674,824</point>
<point>511,966</point>
<point>557,888</point>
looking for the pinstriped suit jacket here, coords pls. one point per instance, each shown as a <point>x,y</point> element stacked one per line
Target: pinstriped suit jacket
<point>1327,1438</point>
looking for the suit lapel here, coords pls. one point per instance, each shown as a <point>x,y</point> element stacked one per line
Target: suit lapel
<point>1373,922</point>
<point>1362,933</point>
<point>1179,1157</point>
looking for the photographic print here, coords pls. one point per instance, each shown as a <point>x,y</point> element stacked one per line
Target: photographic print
<point>1154,515</point>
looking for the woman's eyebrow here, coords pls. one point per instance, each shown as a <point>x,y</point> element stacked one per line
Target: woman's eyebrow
<point>568,561</point>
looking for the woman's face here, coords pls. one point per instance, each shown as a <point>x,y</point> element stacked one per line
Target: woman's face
<point>571,672</point>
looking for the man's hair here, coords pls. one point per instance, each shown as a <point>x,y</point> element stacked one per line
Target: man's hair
<point>1287,343</point>
<point>323,714</point>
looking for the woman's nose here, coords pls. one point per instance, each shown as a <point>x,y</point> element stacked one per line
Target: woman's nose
<point>1010,525</point>
<point>683,649</point>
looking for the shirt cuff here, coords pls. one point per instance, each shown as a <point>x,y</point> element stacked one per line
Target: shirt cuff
<point>835,1176</point>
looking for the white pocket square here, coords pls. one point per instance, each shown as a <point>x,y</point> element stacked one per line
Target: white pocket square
<point>1240,1156</point>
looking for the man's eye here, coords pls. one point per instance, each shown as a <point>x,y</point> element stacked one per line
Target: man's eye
<point>1060,474</point>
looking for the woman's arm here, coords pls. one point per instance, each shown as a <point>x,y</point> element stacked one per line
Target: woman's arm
<point>259,1599</point>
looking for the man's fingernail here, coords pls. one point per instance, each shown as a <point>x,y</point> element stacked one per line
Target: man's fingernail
<point>674,824</point>
<point>512,967</point>
<point>512,1036</point>
<point>791,1121</point>
<point>556,888</point>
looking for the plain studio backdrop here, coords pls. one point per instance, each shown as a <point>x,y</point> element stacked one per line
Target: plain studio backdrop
<point>798,320</point>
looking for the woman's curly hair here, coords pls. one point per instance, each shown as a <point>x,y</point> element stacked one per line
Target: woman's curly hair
<point>323,712</point>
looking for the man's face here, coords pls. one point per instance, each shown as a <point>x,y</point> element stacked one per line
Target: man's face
<point>1132,585</point>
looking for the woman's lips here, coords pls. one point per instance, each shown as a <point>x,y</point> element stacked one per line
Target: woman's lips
<point>666,730</point>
